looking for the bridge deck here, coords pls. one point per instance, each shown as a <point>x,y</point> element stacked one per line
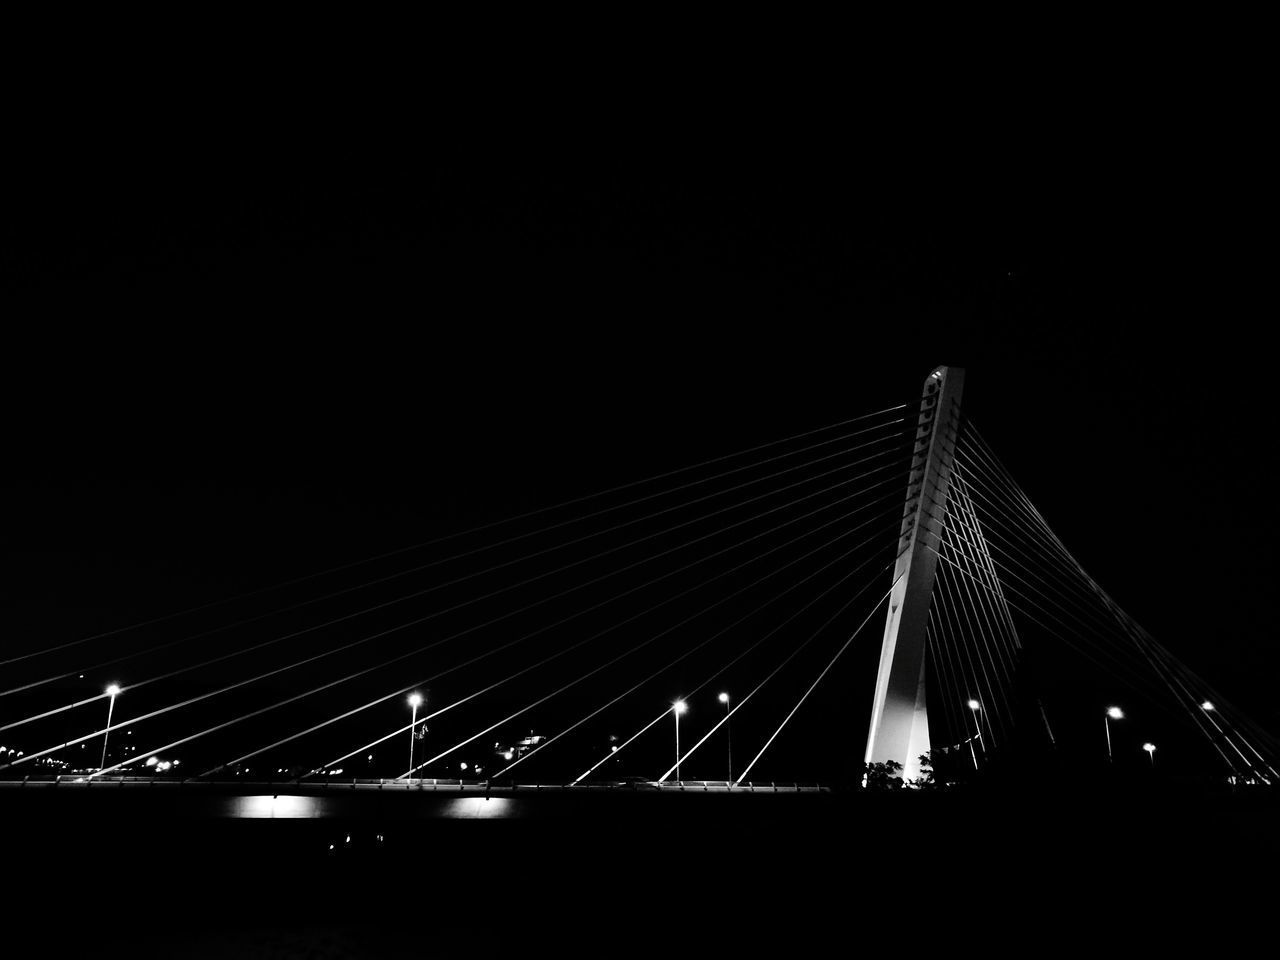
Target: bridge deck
<point>473,787</point>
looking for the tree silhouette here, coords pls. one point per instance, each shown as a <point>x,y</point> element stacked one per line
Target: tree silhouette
<point>882,776</point>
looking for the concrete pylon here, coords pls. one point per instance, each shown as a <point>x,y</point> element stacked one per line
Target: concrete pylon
<point>899,717</point>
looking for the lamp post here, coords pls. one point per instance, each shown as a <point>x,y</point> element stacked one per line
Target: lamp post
<point>1151,752</point>
<point>112,691</point>
<point>678,708</point>
<point>724,698</point>
<point>1113,713</point>
<point>415,701</point>
<point>975,706</point>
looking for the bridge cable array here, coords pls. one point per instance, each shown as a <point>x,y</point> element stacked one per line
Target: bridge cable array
<point>583,622</point>
<point>873,468</point>
<point>1000,561</point>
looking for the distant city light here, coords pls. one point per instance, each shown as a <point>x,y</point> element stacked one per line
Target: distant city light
<point>1115,713</point>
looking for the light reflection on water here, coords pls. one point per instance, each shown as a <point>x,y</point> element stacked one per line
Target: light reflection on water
<point>472,807</point>
<point>292,807</point>
<point>276,807</point>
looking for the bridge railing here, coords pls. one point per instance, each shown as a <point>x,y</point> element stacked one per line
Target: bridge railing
<point>424,784</point>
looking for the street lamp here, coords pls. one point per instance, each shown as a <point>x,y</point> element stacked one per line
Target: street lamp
<point>1151,752</point>
<point>1207,706</point>
<point>975,706</point>
<point>415,701</point>
<point>1113,713</point>
<point>678,708</point>
<point>113,690</point>
<point>724,698</point>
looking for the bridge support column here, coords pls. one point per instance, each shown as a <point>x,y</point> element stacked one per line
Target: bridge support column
<point>899,728</point>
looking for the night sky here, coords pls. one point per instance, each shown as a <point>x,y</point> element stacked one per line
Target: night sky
<point>229,366</point>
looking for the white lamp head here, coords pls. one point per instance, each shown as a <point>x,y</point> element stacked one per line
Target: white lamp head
<point>679,707</point>
<point>415,700</point>
<point>724,698</point>
<point>1115,713</point>
<point>113,689</point>
<point>974,705</point>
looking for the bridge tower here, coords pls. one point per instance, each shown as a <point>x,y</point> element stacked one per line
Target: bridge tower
<point>899,728</point>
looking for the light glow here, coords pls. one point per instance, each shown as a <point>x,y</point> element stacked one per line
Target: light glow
<point>479,807</point>
<point>974,705</point>
<point>113,689</point>
<point>415,700</point>
<point>724,698</point>
<point>276,808</point>
<point>1206,706</point>
<point>1149,747</point>
<point>680,707</point>
<point>1115,713</point>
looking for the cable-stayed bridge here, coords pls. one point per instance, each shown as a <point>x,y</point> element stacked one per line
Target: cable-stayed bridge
<point>871,600</point>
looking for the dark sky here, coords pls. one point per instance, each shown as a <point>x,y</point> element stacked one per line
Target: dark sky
<point>228,365</point>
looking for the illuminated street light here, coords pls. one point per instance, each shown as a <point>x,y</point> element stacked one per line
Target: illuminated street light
<point>975,706</point>
<point>678,708</point>
<point>724,698</point>
<point>415,701</point>
<point>113,690</point>
<point>1151,752</point>
<point>1207,706</point>
<point>1113,713</point>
